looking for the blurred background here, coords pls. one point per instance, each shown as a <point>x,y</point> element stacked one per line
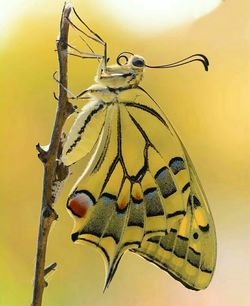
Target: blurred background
<point>210,111</point>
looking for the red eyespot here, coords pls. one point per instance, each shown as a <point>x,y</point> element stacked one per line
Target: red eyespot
<point>80,203</point>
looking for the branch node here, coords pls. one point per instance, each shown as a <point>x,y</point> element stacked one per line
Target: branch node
<point>63,45</point>
<point>62,171</point>
<point>70,108</point>
<point>49,212</point>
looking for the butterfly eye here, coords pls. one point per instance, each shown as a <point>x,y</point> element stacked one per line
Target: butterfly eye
<point>138,62</point>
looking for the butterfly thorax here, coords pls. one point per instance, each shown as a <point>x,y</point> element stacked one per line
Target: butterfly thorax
<point>120,77</point>
<point>113,79</point>
<point>101,93</point>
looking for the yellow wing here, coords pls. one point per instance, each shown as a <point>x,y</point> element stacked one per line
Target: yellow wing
<point>188,250</point>
<point>139,192</point>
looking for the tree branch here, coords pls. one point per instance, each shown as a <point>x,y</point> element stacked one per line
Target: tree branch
<point>54,171</point>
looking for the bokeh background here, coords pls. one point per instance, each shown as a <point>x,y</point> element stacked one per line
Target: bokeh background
<point>210,111</point>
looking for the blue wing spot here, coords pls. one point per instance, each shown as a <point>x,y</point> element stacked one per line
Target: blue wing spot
<point>108,198</point>
<point>177,164</point>
<point>165,182</point>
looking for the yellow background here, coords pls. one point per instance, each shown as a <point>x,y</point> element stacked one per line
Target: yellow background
<point>210,111</point>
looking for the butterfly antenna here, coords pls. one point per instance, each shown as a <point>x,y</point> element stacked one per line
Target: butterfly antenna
<point>193,58</point>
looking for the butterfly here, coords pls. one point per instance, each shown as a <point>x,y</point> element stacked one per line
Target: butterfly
<point>139,190</point>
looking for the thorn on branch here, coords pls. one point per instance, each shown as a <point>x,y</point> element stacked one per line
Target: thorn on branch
<point>49,268</point>
<point>42,152</point>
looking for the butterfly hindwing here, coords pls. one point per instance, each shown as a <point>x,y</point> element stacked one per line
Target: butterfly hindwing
<point>139,192</point>
<point>187,251</point>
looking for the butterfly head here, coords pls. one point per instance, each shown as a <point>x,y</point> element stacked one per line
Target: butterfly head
<point>127,73</point>
<point>131,61</point>
<point>137,62</point>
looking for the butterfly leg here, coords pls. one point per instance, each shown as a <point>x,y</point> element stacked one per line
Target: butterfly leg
<point>73,96</point>
<point>84,55</point>
<point>66,89</point>
<point>95,37</point>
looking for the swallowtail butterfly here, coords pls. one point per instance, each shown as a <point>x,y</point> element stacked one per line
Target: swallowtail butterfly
<point>139,190</point>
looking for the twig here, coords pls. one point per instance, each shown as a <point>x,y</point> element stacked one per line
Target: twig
<point>54,172</point>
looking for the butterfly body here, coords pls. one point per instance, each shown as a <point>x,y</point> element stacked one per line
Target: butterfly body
<point>139,190</point>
